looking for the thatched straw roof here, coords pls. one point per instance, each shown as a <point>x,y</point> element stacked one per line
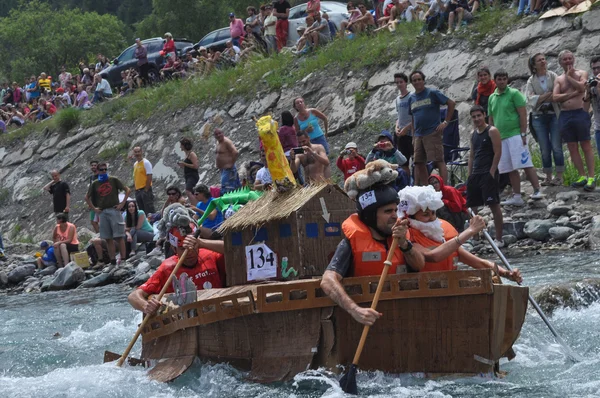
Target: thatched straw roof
<point>271,206</point>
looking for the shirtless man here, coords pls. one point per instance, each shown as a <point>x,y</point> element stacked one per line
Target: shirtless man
<point>225,156</point>
<point>574,122</point>
<point>314,159</point>
<point>363,22</point>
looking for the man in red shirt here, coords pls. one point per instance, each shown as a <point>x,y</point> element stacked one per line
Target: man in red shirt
<point>204,264</point>
<point>352,163</point>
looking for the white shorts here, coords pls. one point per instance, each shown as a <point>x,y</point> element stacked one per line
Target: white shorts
<point>515,155</point>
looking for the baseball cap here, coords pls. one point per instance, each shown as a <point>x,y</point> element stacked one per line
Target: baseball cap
<point>60,90</point>
<point>351,145</point>
<point>44,244</point>
<point>231,15</point>
<point>385,134</point>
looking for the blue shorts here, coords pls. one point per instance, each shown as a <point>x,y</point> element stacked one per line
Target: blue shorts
<point>574,125</point>
<point>230,181</point>
<point>321,140</point>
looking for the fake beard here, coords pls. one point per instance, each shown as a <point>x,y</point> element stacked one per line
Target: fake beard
<point>433,229</point>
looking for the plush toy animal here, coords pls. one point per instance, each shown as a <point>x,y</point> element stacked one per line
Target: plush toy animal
<point>375,172</point>
<point>178,216</point>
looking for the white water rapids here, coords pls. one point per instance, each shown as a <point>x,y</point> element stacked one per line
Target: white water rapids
<point>36,363</point>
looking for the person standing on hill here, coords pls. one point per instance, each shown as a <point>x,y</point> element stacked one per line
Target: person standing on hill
<point>142,180</point>
<point>403,137</point>
<point>424,107</point>
<point>190,168</point>
<point>508,114</point>
<point>226,155</point>
<point>574,122</point>
<point>350,161</point>
<point>103,197</point>
<point>282,12</point>
<point>141,54</point>
<point>236,29</point>
<point>61,193</point>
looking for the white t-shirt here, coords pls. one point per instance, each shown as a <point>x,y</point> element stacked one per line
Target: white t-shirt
<point>263,176</point>
<point>104,86</point>
<point>270,30</point>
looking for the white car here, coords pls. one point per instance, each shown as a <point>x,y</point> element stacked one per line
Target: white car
<point>336,11</point>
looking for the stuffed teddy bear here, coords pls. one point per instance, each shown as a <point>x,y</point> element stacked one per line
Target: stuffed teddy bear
<point>375,172</point>
<point>175,215</point>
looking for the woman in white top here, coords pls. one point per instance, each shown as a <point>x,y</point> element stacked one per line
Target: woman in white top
<point>544,117</point>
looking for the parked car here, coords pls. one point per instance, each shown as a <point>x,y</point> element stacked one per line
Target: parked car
<point>215,39</point>
<point>127,59</point>
<point>336,11</point>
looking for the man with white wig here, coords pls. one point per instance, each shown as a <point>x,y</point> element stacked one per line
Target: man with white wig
<point>437,239</point>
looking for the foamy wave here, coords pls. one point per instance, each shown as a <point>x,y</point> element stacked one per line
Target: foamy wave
<point>110,332</point>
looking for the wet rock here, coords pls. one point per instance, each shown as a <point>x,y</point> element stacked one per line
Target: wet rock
<point>20,273</point>
<point>514,228</point>
<point>139,279</point>
<point>68,277</point>
<point>561,233</point>
<point>522,37</point>
<point>120,274</point>
<point>538,229</point>
<point>100,280</point>
<point>558,208</point>
<point>572,295</point>
<point>3,278</point>
<point>594,235</point>
<point>509,239</point>
<point>50,270</point>
<point>46,282</point>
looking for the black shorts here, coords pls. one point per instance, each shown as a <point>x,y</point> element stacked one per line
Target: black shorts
<point>482,189</point>
<point>405,145</point>
<point>574,125</point>
<point>190,181</point>
<point>71,248</point>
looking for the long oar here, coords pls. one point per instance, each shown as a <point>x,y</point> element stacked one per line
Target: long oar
<point>574,356</point>
<point>160,295</point>
<point>348,381</point>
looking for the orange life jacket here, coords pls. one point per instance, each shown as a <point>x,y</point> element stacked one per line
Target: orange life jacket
<point>417,236</point>
<point>367,253</point>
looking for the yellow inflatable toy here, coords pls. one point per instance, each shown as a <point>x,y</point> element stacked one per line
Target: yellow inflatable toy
<point>278,165</point>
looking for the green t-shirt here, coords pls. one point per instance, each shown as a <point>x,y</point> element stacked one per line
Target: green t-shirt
<point>105,195</point>
<point>503,109</point>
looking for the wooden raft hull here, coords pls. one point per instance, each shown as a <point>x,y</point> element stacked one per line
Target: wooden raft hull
<point>438,322</point>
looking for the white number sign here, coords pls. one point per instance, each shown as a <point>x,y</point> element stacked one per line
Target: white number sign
<point>261,262</point>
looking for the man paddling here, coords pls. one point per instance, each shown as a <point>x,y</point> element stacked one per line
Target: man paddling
<point>204,264</point>
<point>367,238</point>
<point>437,239</point>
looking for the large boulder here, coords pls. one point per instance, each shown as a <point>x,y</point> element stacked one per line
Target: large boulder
<point>523,37</point>
<point>68,277</point>
<point>514,228</point>
<point>594,235</point>
<point>50,270</point>
<point>3,278</point>
<point>559,208</point>
<point>560,233</point>
<point>20,273</point>
<point>100,280</point>
<point>539,229</point>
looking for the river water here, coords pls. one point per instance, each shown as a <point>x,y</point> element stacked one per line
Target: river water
<point>34,362</point>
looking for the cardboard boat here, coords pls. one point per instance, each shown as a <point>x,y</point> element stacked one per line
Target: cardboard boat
<point>456,322</point>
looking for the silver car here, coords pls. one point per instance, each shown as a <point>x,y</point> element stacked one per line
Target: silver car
<point>336,11</point>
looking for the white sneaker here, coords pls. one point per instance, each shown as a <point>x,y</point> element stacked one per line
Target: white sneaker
<point>538,195</point>
<point>499,243</point>
<point>514,201</point>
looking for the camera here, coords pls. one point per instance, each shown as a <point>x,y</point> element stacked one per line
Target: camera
<point>592,81</point>
<point>298,151</point>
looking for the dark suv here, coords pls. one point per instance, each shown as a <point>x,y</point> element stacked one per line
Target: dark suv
<point>215,40</point>
<point>127,60</point>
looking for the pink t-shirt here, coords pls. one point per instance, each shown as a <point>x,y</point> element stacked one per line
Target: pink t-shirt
<point>236,27</point>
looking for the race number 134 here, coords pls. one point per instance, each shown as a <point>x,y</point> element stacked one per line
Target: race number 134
<point>261,262</point>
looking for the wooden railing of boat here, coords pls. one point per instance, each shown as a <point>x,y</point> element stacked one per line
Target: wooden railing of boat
<point>216,305</point>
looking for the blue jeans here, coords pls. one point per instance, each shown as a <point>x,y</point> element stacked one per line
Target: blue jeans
<point>1,244</point>
<point>546,129</point>
<point>597,148</point>
<point>523,5</point>
<point>321,140</point>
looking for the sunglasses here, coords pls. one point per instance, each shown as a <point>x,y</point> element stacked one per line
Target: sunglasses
<point>101,169</point>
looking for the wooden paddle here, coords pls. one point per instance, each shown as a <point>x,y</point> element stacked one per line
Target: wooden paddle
<point>160,295</point>
<point>348,381</point>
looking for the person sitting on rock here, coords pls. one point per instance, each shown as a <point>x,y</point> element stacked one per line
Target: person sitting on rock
<point>65,240</point>
<point>439,242</point>
<point>137,227</point>
<point>213,220</point>
<point>48,258</point>
<point>370,231</point>
<point>385,149</point>
<point>204,264</point>
<point>455,205</point>
<point>263,180</point>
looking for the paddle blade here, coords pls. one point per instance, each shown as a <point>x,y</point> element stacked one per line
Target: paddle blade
<point>112,356</point>
<point>348,381</point>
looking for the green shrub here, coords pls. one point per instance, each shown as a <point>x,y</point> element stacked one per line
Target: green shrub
<point>67,119</point>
